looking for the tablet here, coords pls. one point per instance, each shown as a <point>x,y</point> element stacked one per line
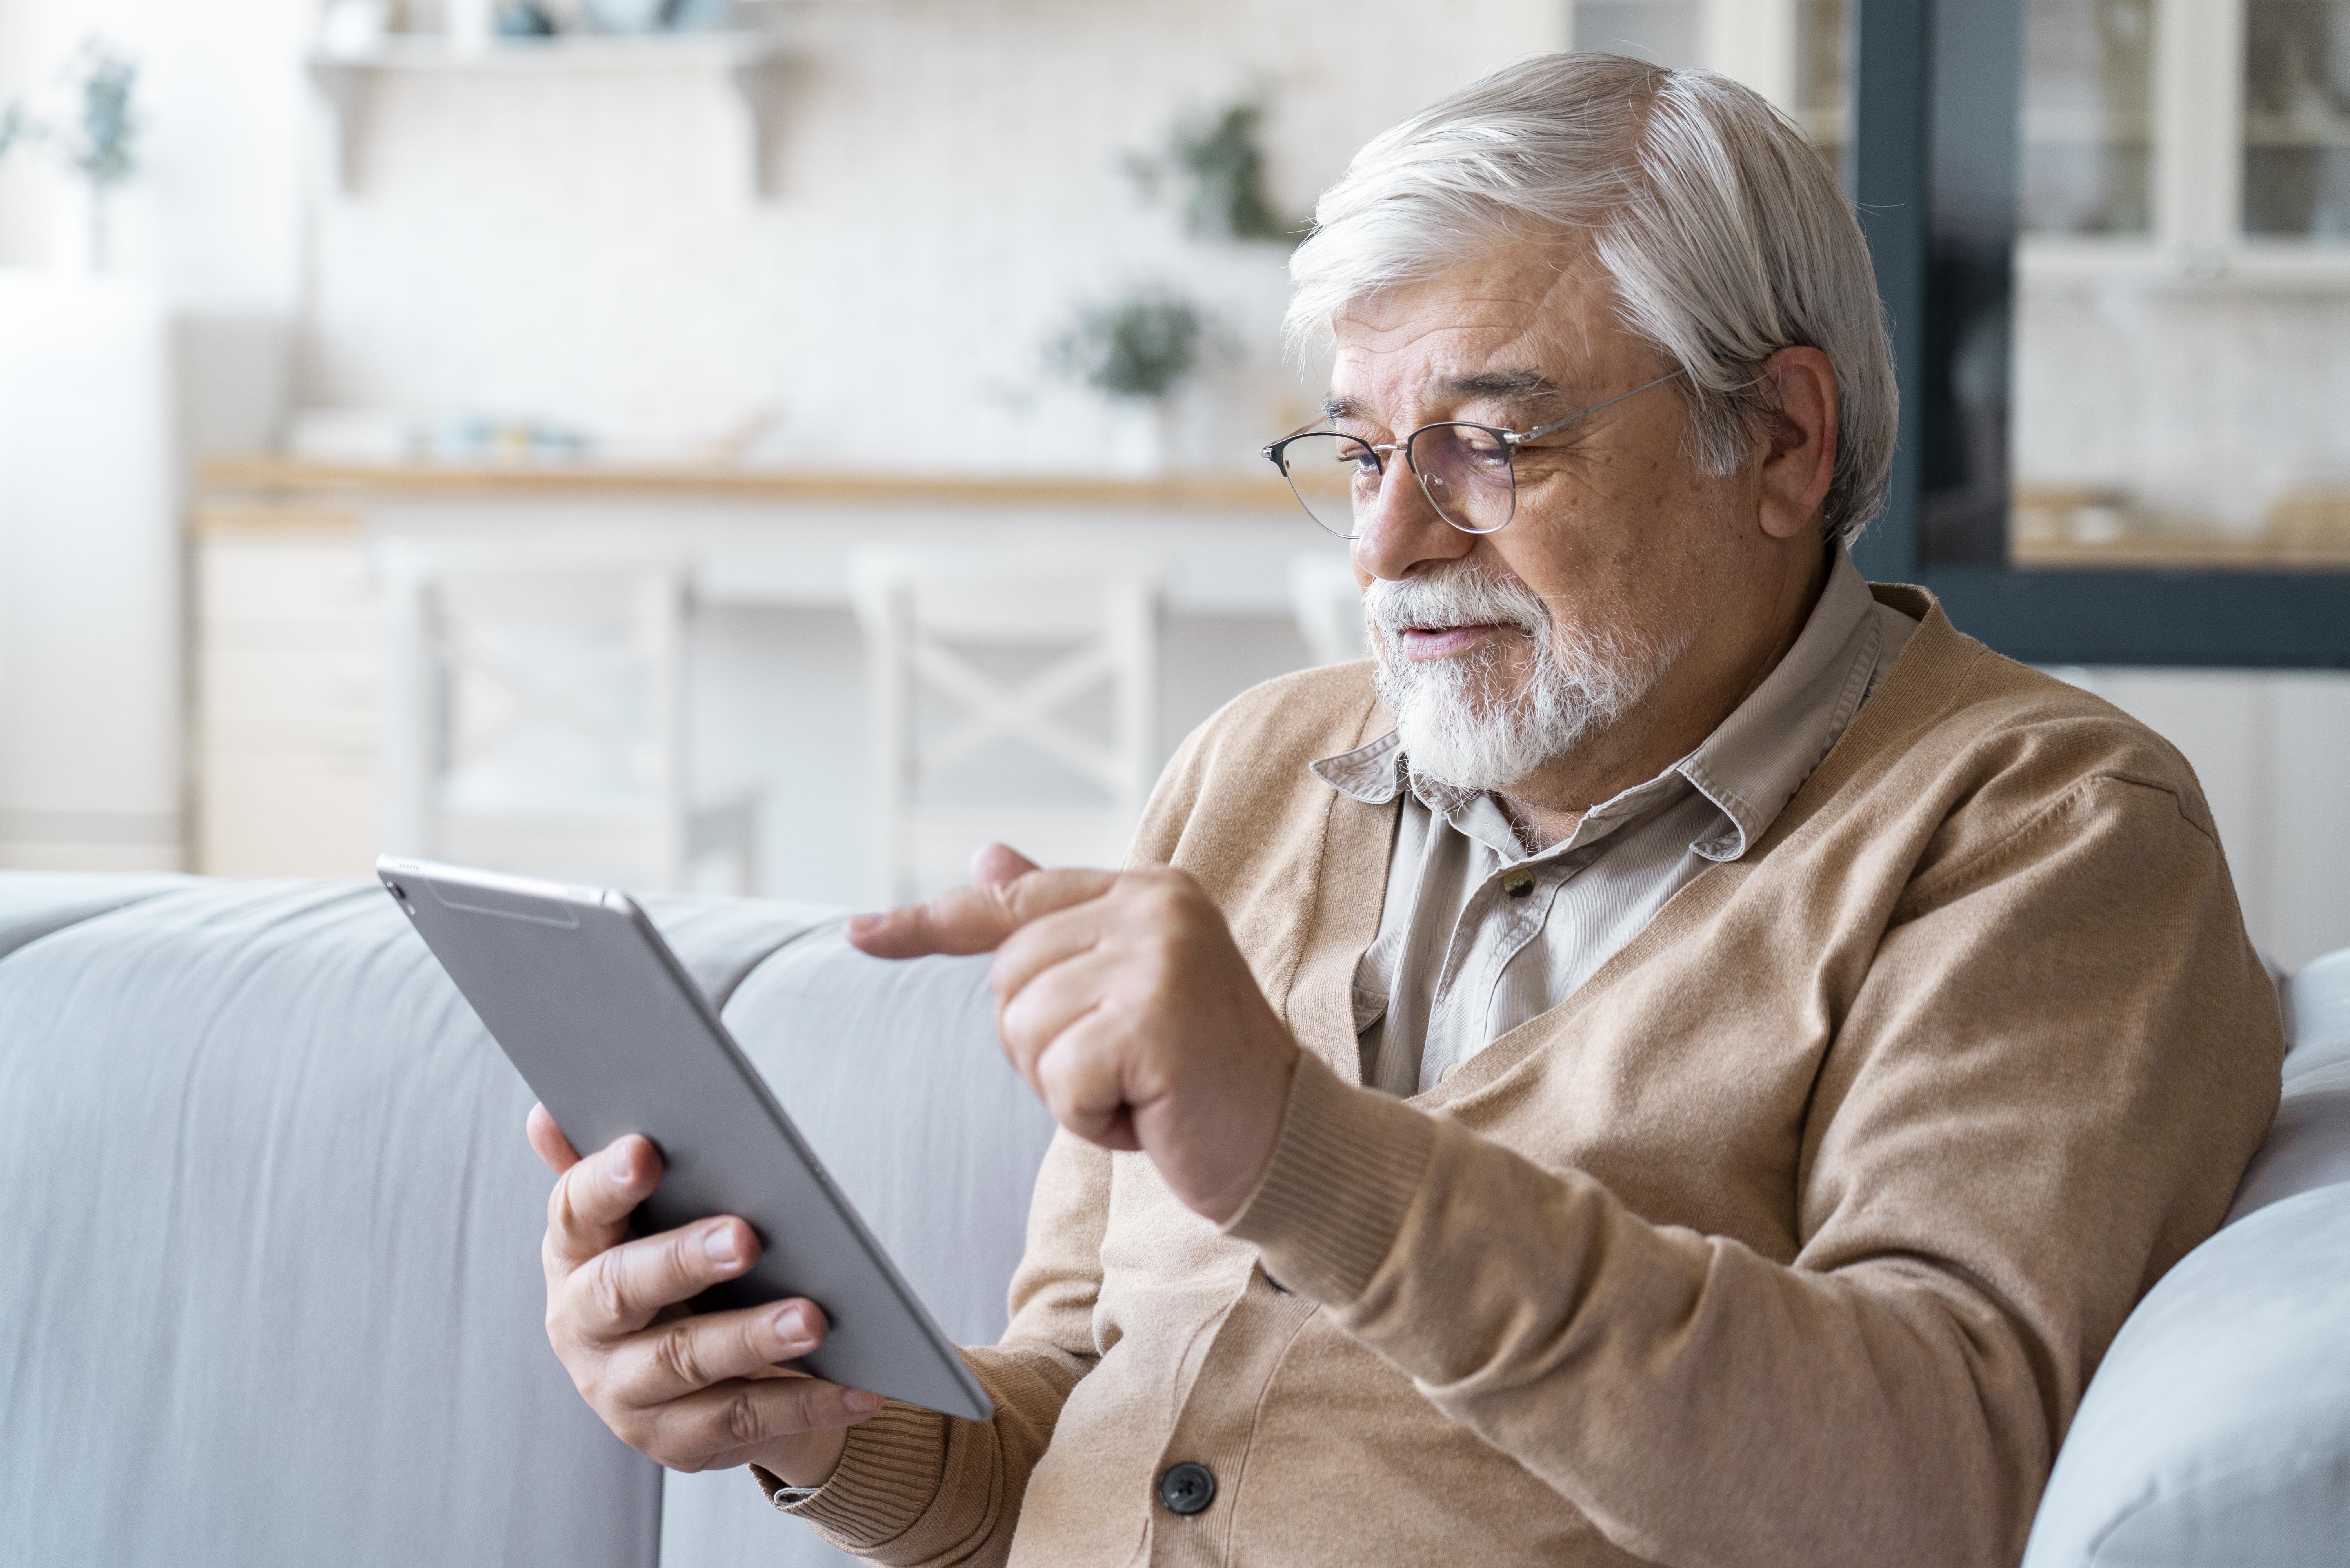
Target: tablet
<point>614,1037</point>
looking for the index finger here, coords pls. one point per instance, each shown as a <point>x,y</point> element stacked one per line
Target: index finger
<point>975,919</point>
<point>588,1210</point>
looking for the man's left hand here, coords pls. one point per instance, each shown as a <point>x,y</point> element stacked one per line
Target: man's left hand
<point>1122,999</point>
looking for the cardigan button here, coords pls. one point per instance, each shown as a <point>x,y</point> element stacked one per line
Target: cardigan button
<point>1187,1487</point>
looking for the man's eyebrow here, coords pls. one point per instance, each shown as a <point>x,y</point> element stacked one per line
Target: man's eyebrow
<point>1502,386</point>
<point>1495,385</point>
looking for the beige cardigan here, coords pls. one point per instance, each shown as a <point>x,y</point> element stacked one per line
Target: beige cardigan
<point>1791,1238</point>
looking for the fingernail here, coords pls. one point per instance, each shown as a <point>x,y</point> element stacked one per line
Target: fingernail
<point>719,1243</point>
<point>860,1403</point>
<point>621,1162</point>
<point>862,925</point>
<point>793,1326</point>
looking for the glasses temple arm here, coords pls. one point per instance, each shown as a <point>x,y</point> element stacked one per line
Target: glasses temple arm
<point>1519,438</point>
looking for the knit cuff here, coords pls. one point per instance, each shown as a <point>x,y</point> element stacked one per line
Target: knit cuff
<point>1345,1170</point>
<point>888,1472</point>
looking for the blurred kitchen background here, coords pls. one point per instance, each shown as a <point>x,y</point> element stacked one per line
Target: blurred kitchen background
<point>777,446</point>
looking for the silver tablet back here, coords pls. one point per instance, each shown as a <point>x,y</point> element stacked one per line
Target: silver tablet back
<point>614,1037</point>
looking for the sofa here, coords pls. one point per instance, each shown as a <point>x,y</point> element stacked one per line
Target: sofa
<point>271,1294</point>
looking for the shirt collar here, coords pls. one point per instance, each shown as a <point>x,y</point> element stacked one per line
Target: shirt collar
<point>1750,767</point>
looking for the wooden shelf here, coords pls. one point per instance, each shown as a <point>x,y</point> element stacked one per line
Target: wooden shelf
<point>751,63</point>
<point>222,477</point>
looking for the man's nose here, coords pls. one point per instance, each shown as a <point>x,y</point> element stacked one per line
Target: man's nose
<point>1402,531</point>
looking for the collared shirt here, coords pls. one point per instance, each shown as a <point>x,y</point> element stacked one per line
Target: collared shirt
<point>1478,935</point>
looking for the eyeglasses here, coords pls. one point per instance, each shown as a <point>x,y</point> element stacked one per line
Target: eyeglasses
<point>1468,471</point>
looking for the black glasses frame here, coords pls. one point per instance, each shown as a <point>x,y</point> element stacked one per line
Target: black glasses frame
<point>1509,440</point>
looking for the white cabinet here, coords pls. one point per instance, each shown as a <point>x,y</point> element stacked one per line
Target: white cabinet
<point>288,694</point>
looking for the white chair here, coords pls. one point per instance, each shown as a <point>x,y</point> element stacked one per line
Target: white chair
<point>1328,605</point>
<point>978,661</point>
<point>537,722</point>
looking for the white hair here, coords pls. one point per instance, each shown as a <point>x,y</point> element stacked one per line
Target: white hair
<point>1721,230</point>
<point>1456,727</point>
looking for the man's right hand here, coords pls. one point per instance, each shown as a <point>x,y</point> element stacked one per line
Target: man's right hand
<point>694,1391</point>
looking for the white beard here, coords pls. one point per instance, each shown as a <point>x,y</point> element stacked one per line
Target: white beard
<point>1455,726</point>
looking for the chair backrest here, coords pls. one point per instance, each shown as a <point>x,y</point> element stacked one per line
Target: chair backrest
<point>947,635</point>
<point>536,718</point>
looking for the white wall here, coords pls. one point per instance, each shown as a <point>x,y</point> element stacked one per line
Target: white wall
<point>584,248</point>
<point>214,216</point>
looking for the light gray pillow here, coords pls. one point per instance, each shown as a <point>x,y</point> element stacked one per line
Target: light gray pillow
<point>2217,1431</point>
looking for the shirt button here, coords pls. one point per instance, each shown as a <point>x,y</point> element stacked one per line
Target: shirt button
<point>1518,884</point>
<point>1187,1487</point>
<point>1447,1071</point>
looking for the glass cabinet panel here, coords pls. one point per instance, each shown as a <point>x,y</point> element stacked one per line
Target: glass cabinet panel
<point>2088,116</point>
<point>2172,406</point>
<point>2297,118</point>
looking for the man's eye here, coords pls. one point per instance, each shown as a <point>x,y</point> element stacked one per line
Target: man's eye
<point>1358,455</point>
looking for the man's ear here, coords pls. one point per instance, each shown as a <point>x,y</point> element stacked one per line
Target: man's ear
<point>1799,457</point>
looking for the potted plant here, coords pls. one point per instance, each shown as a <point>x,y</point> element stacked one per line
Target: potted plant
<point>98,143</point>
<point>1136,350</point>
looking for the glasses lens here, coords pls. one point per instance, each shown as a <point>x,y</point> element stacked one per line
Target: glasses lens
<point>1465,468</point>
<point>1333,475</point>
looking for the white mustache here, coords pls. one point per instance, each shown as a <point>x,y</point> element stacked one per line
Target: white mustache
<point>1450,595</point>
<point>1456,725</point>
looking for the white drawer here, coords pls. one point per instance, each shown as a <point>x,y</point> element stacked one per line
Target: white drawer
<point>330,689</point>
<point>284,579</point>
<point>347,634</point>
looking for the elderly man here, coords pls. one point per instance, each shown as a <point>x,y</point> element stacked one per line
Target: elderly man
<point>1684,1057</point>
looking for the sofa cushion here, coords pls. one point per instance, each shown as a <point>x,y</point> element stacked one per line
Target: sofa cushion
<point>273,1293</point>
<point>893,1073</point>
<point>2308,1147</point>
<point>2317,1014</point>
